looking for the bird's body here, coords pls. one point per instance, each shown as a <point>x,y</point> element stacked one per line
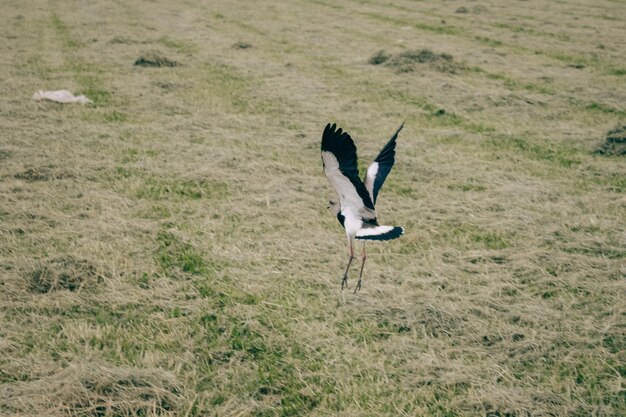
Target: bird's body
<point>355,210</point>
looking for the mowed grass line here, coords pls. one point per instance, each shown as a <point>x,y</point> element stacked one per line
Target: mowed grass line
<point>153,264</point>
<point>436,114</point>
<point>440,25</point>
<point>431,115</point>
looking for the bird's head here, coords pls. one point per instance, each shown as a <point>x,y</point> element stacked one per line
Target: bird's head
<point>335,206</point>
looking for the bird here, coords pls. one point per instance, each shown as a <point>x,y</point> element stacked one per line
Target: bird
<point>355,209</point>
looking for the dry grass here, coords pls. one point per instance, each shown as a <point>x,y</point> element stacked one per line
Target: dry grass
<point>167,250</point>
<point>615,143</point>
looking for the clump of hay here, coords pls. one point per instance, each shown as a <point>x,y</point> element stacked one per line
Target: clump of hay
<point>121,39</point>
<point>475,10</point>
<point>34,174</point>
<point>242,45</point>
<point>408,61</point>
<point>64,273</point>
<point>91,390</point>
<point>154,59</point>
<point>615,142</point>
<point>379,57</point>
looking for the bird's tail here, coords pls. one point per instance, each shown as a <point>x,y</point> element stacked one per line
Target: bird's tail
<point>379,233</point>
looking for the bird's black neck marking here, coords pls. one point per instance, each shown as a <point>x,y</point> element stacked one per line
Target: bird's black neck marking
<point>341,218</point>
<point>370,223</point>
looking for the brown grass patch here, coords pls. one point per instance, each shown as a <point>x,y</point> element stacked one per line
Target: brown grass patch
<point>91,390</point>
<point>43,173</point>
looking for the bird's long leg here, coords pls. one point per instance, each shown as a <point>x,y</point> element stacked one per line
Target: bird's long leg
<point>358,284</point>
<point>344,281</point>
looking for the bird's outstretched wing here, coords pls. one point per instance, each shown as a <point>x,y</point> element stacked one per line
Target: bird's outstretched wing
<point>340,166</point>
<point>380,168</point>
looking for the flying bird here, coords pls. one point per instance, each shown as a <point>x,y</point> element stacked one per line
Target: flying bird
<point>355,210</point>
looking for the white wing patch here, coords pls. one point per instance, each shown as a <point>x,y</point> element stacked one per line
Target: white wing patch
<point>348,196</point>
<point>372,170</point>
<point>374,231</point>
<point>379,233</point>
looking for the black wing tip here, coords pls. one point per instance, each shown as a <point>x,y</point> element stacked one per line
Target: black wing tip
<point>329,131</point>
<point>392,141</point>
<point>333,137</point>
<point>395,135</point>
<point>330,127</point>
<point>388,152</point>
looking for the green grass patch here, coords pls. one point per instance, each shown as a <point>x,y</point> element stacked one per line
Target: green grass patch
<point>431,113</point>
<point>536,88</point>
<point>603,108</point>
<point>494,43</point>
<point>114,116</point>
<point>225,83</point>
<point>552,153</point>
<point>617,71</point>
<point>613,181</point>
<point>490,240</point>
<point>157,189</point>
<point>129,155</point>
<point>99,96</point>
<point>176,255</point>
<point>513,84</point>
<point>178,45</point>
<point>88,77</point>
<point>471,236</point>
<point>465,187</point>
<point>442,29</point>
<point>145,185</point>
<point>597,249</point>
<point>63,32</point>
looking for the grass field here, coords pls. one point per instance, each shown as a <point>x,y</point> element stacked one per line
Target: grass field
<point>167,250</point>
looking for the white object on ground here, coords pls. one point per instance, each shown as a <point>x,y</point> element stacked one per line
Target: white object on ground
<point>60,96</point>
